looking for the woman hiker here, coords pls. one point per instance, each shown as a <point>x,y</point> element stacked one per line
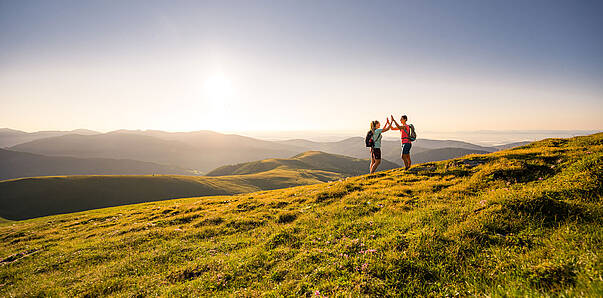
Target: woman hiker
<point>376,146</point>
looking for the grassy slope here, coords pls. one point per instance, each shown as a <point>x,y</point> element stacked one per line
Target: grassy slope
<point>313,160</point>
<point>521,222</point>
<point>443,154</point>
<point>40,196</point>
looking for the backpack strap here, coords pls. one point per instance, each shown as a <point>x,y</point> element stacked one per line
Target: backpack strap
<point>407,132</point>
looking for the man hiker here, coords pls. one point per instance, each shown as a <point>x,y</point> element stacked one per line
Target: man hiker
<point>407,136</point>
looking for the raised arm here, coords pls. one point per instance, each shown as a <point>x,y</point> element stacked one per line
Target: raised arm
<point>387,126</point>
<point>398,127</point>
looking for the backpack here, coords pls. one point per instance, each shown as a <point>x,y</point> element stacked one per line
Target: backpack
<point>412,134</point>
<point>368,141</point>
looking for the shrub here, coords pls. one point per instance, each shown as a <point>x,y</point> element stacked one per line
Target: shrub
<point>551,276</point>
<point>286,217</point>
<point>286,237</point>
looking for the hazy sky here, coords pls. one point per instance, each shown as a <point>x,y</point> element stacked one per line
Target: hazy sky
<point>300,65</point>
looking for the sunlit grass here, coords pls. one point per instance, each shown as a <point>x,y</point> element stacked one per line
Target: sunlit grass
<point>525,221</point>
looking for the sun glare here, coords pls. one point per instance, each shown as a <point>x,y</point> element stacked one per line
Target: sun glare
<point>218,100</point>
<point>217,87</point>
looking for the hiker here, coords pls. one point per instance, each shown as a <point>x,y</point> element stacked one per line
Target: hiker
<point>407,136</point>
<point>373,140</point>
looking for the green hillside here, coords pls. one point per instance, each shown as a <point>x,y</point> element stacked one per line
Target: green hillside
<point>40,196</point>
<point>313,160</point>
<point>443,154</point>
<point>521,222</point>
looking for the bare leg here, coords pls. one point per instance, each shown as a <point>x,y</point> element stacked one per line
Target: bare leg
<point>407,161</point>
<point>372,162</point>
<point>375,165</point>
<point>371,166</point>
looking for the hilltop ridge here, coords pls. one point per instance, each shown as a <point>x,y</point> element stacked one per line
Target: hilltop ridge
<point>310,160</point>
<point>519,222</point>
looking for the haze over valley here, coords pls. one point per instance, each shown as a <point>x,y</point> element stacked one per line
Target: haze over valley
<point>85,152</point>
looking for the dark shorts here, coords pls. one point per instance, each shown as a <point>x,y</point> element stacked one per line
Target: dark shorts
<point>406,148</point>
<point>376,153</point>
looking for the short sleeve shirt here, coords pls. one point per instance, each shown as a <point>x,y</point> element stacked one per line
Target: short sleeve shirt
<point>377,137</point>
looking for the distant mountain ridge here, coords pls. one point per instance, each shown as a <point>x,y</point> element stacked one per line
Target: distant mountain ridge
<point>204,151</point>
<point>188,150</point>
<point>11,137</point>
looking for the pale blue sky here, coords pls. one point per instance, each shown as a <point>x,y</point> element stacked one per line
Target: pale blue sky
<point>300,65</point>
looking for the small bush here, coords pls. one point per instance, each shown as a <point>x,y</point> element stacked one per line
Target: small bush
<point>549,276</point>
<point>336,191</point>
<point>245,224</point>
<point>278,275</point>
<point>187,273</point>
<point>286,217</point>
<point>211,221</point>
<point>285,237</point>
<point>178,220</point>
<point>542,206</point>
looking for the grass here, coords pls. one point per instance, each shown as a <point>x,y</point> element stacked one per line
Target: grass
<point>520,222</point>
<point>41,196</point>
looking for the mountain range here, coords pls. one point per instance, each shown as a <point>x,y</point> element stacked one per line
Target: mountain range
<point>189,152</point>
<point>10,137</point>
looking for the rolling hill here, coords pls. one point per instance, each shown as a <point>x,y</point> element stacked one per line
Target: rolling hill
<point>312,160</point>
<point>41,196</point>
<point>520,222</point>
<point>15,164</point>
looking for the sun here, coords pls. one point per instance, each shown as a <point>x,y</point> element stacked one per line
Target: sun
<point>217,87</point>
<point>219,100</point>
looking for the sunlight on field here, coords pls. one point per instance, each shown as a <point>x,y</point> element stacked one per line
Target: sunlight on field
<point>520,222</point>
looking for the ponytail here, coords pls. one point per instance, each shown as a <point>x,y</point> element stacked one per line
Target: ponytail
<point>374,125</point>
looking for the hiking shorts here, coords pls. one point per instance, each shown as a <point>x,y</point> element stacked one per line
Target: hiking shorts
<point>376,153</point>
<point>406,148</point>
